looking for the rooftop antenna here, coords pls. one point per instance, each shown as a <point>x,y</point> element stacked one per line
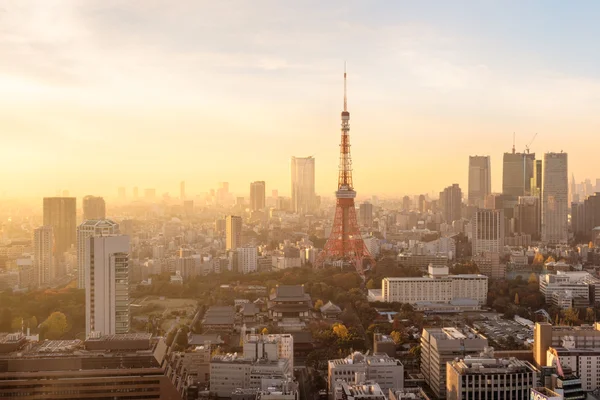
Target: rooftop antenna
<point>345,97</point>
<point>513,136</point>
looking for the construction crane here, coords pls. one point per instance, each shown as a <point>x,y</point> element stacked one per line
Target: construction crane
<point>529,144</point>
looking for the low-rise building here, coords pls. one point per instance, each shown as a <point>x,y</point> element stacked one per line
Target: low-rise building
<point>441,345</point>
<point>101,367</point>
<point>487,377</point>
<point>388,372</point>
<point>231,372</point>
<point>437,287</point>
<point>357,391</point>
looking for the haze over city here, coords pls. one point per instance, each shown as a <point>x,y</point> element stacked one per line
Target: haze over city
<point>110,94</point>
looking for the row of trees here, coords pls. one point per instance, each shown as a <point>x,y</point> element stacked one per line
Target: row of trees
<point>61,312</point>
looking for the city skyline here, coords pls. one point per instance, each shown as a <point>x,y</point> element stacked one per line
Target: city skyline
<point>421,83</point>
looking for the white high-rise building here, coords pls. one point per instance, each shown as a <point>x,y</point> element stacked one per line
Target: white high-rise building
<point>43,255</point>
<point>555,197</point>
<point>247,259</point>
<point>303,184</point>
<point>107,285</point>
<point>488,231</point>
<point>84,231</point>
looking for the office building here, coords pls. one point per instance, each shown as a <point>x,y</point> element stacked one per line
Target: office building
<point>437,287</point>
<point>577,349</point>
<point>387,371</point>
<point>303,185</point>
<point>488,231</point>
<point>112,367</point>
<point>257,195</point>
<point>406,203</point>
<point>247,259</point>
<point>233,232</point>
<point>585,216</point>
<point>517,171</point>
<point>87,229</point>
<point>43,256</point>
<point>480,180</point>
<point>94,208</point>
<point>489,264</point>
<point>555,192</point>
<point>231,372</point>
<point>485,377</point>
<point>365,215</point>
<point>451,203</point>
<point>60,214</point>
<point>442,345</point>
<point>422,260</point>
<point>270,347</point>
<point>527,215</point>
<point>579,284</point>
<point>107,285</point>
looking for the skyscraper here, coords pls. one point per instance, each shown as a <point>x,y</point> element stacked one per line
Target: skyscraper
<point>365,215</point>
<point>517,172</point>
<point>555,197</point>
<point>233,232</point>
<point>303,184</point>
<point>257,195</point>
<point>94,208</point>
<point>451,203</point>
<point>107,285</point>
<point>480,180</point>
<point>488,231</point>
<point>527,216</point>
<point>406,203</point>
<point>43,253</point>
<point>60,214</point>
<point>87,229</point>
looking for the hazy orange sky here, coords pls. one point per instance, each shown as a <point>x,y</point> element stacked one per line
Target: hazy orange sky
<point>100,94</point>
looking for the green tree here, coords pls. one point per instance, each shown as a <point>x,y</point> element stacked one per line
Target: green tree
<point>265,331</point>
<point>397,337</point>
<point>170,337</point>
<point>571,316</point>
<point>340,330</point>
<point>590,314</point>
<point>532,278</point>
<point>538,259</point>
<point>318,304</point>
<point>371,284</point>
<point>55,326</point>
<point>517,298</point>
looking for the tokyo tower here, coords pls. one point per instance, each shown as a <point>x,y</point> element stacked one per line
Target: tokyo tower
<point>345,244</point>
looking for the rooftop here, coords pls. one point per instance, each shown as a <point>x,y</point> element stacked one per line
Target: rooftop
<point>485,365</point>
<point>358,358</point>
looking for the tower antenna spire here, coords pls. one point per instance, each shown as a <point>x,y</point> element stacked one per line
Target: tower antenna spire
<point>345,92</point>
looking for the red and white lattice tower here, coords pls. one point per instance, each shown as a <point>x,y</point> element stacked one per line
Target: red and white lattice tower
<point>345,244</point>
